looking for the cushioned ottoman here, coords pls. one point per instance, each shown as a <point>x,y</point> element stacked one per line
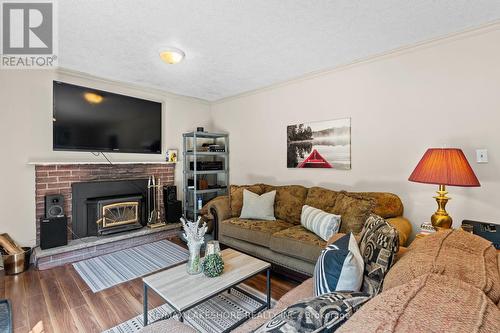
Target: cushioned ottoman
<point>306,245</point>
<point>257,232</point>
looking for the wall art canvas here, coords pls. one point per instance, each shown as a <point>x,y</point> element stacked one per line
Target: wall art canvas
<point>320,144</point>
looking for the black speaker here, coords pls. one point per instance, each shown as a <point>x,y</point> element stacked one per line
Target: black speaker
<point>54,205</point>
<point>173,211</point>
<point>53,232</point>
<point>169,193</point>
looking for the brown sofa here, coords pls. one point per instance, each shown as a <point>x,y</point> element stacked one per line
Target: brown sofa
<point>446,282</point>
<point>285,242</point>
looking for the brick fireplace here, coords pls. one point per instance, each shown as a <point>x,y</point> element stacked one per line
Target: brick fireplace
<point>58,178</point>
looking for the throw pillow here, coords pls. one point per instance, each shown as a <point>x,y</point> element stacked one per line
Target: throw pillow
<point>321,223</point>
<point>354,210</point>
<point>325,313</point>
<point>379,244</point>
<point>339,267</point>
<point>259,207</point>
<point>236,196</point>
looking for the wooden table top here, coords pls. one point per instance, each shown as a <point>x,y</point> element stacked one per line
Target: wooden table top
<point>183,290</point>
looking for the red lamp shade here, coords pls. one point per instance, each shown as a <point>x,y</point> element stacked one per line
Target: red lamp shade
<point>444,166</point>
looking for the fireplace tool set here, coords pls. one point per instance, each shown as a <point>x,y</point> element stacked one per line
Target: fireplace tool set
<point>154,217</point>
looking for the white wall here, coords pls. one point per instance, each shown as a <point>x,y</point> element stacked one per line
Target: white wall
<point>26,135</point>
<point>441,93</point>
<point>445,93</point>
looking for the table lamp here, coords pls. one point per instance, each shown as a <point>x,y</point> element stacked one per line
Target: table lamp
<point>444,166</point>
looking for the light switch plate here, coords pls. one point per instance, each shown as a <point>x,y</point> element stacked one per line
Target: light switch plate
<point>482,155</point>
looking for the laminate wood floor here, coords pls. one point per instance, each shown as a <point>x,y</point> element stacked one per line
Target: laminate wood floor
<point>58,300</point>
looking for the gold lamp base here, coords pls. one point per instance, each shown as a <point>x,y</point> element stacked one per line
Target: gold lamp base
<point>440,219</point>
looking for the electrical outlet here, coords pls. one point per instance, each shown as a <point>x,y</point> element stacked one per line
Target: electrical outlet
<point>482,155</point>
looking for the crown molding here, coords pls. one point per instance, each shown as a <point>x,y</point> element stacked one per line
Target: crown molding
<point>452,37</point>
<point>146,89</point>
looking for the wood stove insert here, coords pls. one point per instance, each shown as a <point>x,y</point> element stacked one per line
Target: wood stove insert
<point>106,207</point>
<point>114,214</point>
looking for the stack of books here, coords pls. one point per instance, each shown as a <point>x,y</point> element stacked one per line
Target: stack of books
<point>426,229</point>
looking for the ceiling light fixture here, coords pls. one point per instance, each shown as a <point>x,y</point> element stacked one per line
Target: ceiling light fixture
<point>171,55</point>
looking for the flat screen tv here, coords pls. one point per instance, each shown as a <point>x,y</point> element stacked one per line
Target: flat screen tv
<point>91,120</point>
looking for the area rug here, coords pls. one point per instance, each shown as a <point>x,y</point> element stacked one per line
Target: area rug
<point>111,269</point>
<point>5,316</point>
<point>213,316</point>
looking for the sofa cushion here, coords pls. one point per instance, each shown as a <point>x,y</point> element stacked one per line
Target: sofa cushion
<point>321,198</point>
<point>298,242</point>
<point>253,231</point>
<point>323,313</point>
<point>236,195</point>
<point>386,204</point>
<point>302,291</point>
<point>429,303</point>
<point>289,201</point>
<point>454,254</point>
<point>261,318</point>
<point>354,210</point>
<point>379,244</point>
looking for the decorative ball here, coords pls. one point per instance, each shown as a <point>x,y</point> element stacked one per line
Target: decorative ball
<point>213,265</point>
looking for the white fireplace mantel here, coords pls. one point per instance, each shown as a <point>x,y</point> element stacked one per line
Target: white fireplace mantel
<point>36,162</point>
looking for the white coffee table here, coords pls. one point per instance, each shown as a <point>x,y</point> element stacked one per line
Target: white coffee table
<point>183,291</point>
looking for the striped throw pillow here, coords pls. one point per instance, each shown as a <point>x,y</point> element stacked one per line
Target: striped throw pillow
<point>323,224</point>
<point>340,267</point>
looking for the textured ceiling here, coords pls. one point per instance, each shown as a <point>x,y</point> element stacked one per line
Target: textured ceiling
<point>233,46</point>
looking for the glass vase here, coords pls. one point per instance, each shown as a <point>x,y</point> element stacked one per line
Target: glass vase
<point>213,247</point>
<point>194,265</point>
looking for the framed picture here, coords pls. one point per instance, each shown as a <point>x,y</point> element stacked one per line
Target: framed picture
<point>172,155</point>
<point>320,144</point>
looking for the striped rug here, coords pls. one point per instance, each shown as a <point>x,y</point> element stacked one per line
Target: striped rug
<point>111,269</point>
<point>213,316</point>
